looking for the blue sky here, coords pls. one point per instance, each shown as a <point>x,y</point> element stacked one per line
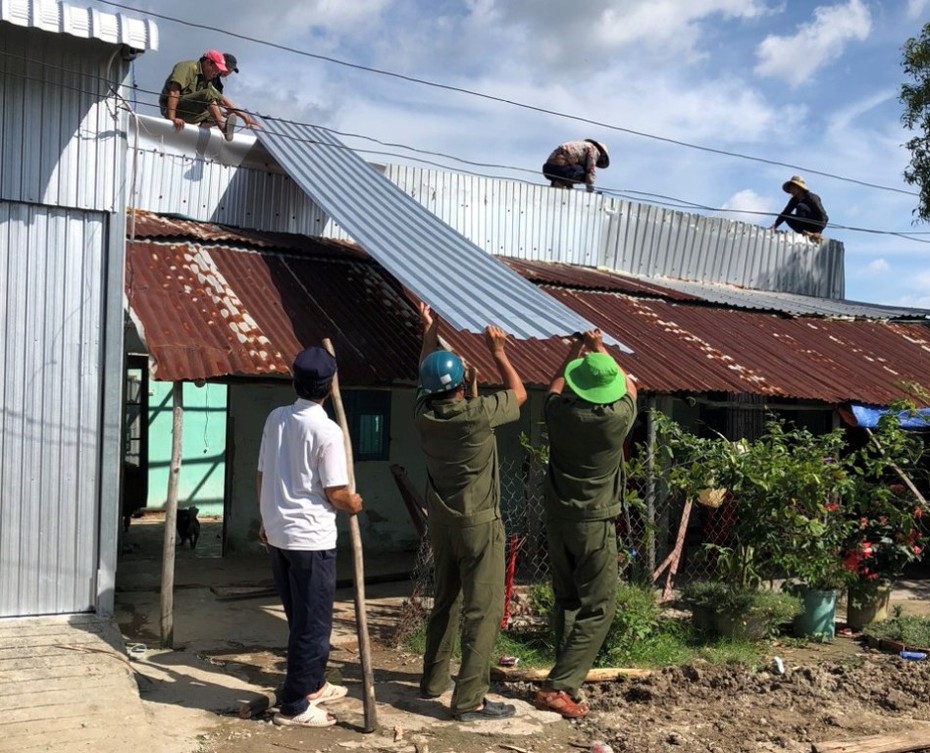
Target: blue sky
<point>797,81</point>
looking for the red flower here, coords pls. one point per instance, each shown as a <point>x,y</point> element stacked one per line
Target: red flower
<point>832,506</point>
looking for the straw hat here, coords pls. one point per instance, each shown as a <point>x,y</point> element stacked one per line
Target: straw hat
<point>796,180</point>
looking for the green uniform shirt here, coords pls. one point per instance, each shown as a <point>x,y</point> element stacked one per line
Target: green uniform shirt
<point>186,75</point>
<point>584,479</point>
<point>463,484</point>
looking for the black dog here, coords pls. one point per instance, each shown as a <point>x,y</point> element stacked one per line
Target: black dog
<point>188,526</point>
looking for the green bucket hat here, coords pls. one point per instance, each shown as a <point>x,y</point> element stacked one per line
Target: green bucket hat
<point>596,378</point>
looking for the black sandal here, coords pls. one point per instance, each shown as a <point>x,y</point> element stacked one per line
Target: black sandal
<point>491,710</point>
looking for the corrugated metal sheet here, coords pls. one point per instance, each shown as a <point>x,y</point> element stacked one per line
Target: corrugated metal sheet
<point>467,287</point>
<point>198,174</point>
<point>60,139</point>
<point>539,223</point>
<point>65,18</point>
<point>51,352</point>
<point>218,305</point>
<point>682,346</point>
<point>789,303</point>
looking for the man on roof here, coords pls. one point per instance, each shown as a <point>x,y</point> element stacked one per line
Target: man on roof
<point>576,162</point>
<point>189,95</point>
<point>804,212</point>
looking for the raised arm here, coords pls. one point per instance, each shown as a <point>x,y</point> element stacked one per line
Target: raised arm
<point>430,331</point>
<point>495,339</point>
<point>594,342</point>
<point>557,383</point>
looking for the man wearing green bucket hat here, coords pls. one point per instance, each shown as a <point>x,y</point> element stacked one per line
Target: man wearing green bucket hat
<point>589,411</point>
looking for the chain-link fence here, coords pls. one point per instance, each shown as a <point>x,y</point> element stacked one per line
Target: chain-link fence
<point>660,538</point>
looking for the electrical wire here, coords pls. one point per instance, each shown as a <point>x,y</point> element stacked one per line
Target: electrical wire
<point>503,100</point>
<point>630,194</point>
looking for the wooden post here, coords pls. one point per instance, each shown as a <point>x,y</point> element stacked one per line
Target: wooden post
<point>361,618</point>
<point>171,517</point>
<point>650,486</point>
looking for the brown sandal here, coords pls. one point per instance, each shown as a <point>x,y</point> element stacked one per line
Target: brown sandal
<point>560,702</point>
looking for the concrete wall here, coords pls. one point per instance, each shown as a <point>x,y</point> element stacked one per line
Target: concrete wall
<point>385,523</point>
<point>203,460</point>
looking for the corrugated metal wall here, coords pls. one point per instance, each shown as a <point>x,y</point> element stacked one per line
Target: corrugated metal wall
<point>500,216</point>
<point>50,373</point>
<point>62,160</point>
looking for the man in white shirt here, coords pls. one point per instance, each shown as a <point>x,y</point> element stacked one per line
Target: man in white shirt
<point>302,482</point>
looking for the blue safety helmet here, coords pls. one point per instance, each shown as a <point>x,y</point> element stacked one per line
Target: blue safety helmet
<point>441,371</point>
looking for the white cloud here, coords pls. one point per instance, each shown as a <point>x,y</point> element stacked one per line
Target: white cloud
<point>877,266</point>
<point>748,206</point>
<point>795,59</point>
<point>915,8</point>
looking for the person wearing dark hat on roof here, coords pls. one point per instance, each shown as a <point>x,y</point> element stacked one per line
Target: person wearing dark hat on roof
<point>302,483</point>
<point>589,411</point>
<point>189,95</point>
<point>576,162</point>
<point>804,212</point>
<point>465,529</point>
<point>232,66</point>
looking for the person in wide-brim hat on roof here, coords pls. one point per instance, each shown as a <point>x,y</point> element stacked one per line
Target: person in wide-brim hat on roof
<point>804,212</point>
<point>576,162</point>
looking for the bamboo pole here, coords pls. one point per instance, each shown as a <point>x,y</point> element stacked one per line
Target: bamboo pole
<point>361,618</point>
<point>171,517</point>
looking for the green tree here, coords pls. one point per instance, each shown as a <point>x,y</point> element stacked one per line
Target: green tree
<point>915,96</point>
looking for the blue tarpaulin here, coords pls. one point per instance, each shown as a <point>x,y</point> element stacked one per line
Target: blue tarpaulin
<point>868,417</point>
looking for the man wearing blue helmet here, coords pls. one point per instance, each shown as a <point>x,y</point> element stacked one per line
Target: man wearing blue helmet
<point>465,528</point>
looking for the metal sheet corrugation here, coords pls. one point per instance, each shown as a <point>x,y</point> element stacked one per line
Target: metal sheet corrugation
<point>466,286</point>
<point>789,303</point>
<point>60,141</point>
<point>66,18</point>
<point>51,348</point>
<point>207,311</point>
<point>696,349</point>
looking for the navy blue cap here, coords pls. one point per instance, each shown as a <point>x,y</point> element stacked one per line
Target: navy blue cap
<point>314,365</point>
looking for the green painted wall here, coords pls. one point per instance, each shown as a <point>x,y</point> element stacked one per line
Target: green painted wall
<point>203,461</point>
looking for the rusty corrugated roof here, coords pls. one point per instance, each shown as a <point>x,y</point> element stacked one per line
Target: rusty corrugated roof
<point>226,302</point>
<point>207,310</point>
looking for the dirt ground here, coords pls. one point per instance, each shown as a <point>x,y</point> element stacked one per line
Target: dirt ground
<point>836,691</point>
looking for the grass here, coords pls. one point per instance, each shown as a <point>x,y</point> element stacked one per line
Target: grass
<point>641,636</point>
<point>909,629</point>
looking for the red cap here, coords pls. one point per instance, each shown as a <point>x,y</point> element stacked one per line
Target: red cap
<point>217,59</point>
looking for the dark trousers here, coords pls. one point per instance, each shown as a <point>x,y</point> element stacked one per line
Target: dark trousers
<point>572,173</point>
<point>306,583</point>
<point>802,220</point>
<point>469,568</point>
<point>583,562</point>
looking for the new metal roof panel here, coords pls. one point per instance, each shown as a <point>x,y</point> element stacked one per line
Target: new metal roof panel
<point>788,303</point>
<point>88,23</point>
<point>466,286</point>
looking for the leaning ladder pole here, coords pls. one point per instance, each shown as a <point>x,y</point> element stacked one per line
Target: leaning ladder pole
<point>361,618</point>
<point>171,517</point>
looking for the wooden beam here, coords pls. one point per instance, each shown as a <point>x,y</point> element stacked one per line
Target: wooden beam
<point>902,743</point>
<point>171,518</point>
<point>600,674</point>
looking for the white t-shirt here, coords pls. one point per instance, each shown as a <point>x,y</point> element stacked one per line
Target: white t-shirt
<point>302,453</point>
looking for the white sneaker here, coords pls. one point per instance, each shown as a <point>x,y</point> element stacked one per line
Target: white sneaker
<point>312,716</point>
<point>229,127</point>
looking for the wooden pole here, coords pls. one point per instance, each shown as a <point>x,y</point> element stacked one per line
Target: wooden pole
<point>361,618</point>
<point>171,518</point>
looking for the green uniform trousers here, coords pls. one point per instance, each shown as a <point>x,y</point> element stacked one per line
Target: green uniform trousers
<point>583,560</point>
<point>192,108</point>
<point>469,570</point>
